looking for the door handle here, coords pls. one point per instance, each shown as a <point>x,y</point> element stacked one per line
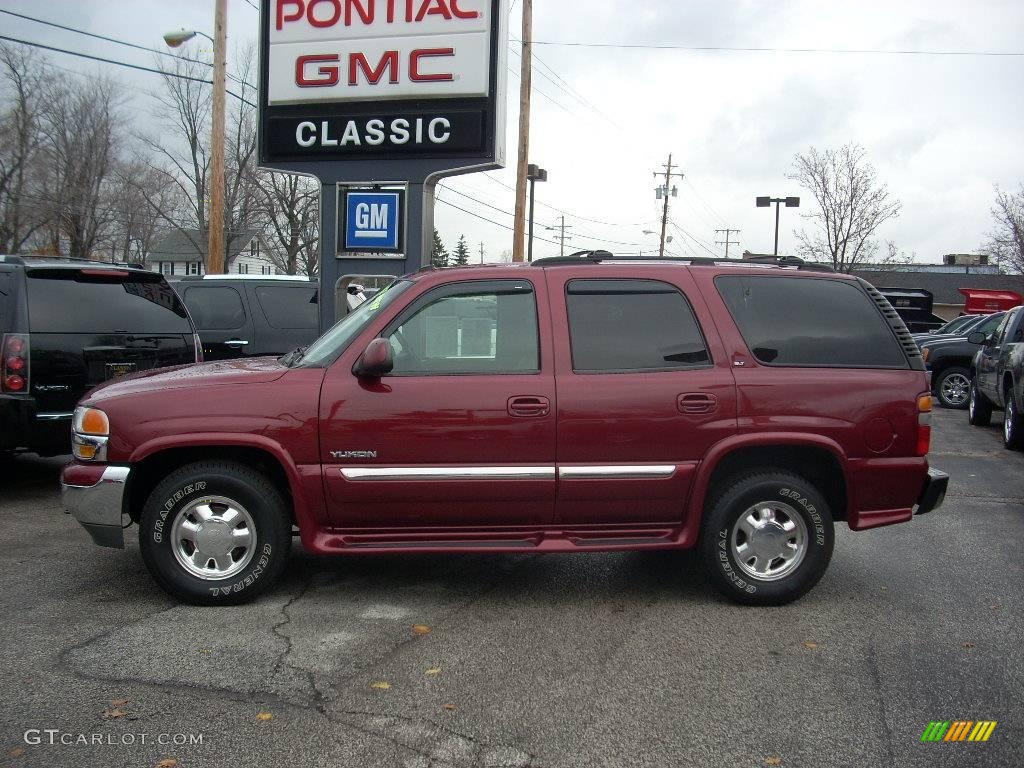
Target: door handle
<point>235,343</point>
<point>529,405</point>
<point>696,403</point>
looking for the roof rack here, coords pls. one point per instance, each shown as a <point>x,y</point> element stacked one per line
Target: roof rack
<point>596,257</point>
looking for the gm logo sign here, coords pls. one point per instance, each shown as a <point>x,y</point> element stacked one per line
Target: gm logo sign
<point>373,221</point>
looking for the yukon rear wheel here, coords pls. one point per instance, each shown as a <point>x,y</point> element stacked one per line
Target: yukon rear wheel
<point>953,388</point>
<point>215,533</point>
<point>767,538</point>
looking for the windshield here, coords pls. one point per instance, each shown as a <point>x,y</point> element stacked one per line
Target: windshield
<point>954,325</point>
<point>329,347</point>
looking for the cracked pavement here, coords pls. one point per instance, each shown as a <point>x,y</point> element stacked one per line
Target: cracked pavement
<point>554,660</point>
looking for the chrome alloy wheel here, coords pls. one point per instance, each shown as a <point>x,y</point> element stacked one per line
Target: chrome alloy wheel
<point>1009,417</point>
<point>213,538</point>
<point>769,540</point>
<point>956,389</point>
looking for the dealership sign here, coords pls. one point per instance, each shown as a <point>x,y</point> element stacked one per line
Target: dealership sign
<point>371,221</point>
<point>354,79</point>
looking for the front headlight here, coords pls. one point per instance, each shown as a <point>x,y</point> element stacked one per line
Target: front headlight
<point>90,431</point>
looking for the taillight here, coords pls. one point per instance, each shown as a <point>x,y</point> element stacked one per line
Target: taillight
<point>924,423</point>
<point>198,344</point>
<point>14,356</point>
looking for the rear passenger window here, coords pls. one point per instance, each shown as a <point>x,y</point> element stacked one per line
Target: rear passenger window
<point>794,321</point>
<point>632,325</point>
<point>215,307</point>
<point>290,307</point>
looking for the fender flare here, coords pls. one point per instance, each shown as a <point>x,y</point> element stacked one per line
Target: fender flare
<point>303,512</point>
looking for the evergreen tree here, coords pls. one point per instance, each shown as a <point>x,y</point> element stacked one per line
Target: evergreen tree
<point>439,256</point>
<point>461,257</point>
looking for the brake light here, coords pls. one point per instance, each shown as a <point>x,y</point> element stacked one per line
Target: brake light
<point>924,423</point>
<point>14,374</point>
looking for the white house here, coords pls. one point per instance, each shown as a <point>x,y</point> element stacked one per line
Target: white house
<point>183,252</point>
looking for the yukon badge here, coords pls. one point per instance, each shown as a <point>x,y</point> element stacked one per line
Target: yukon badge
<point>354,454</point>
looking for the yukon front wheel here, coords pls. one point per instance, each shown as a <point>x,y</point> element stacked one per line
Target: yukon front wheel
<point>767,538</point>
<point>215,533</point>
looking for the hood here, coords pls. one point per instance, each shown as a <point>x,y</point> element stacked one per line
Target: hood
<point>256,370</point>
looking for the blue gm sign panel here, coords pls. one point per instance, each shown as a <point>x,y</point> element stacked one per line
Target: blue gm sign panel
<point>373,221</point>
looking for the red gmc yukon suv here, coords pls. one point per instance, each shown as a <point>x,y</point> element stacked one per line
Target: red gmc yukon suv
<point>576,404</point>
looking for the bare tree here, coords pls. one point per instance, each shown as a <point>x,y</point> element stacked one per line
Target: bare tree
<point>851,205</point>
<point>1006,241</point>
<point>20,137</point>
<point>181,152</point>
<point>137,194</point>
<point>79,150</point>
<point>289,208</point>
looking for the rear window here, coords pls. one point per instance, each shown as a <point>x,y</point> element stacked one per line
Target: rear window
<point>68,301</point>
<point>632,325</point>
<point>791,321</point>
<point>289,306</point>
<point>215,308</point>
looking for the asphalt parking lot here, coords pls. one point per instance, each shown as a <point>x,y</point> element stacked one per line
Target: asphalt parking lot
<point>554,660</point>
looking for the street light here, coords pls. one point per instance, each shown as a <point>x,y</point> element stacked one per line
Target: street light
<point>215,258</point>
<point>766,202</point>
<point>182,36</point>
<point>534,173</point>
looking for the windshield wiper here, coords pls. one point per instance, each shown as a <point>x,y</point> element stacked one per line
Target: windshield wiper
<point>292,358</point>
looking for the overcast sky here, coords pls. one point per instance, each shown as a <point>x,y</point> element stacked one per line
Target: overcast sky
<point>941,130</point>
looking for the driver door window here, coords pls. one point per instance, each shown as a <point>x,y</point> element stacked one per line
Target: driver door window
<point>469,329</point>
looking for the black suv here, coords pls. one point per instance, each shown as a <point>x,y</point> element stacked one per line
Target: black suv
<point>67,325</point>
<point>251,316</point>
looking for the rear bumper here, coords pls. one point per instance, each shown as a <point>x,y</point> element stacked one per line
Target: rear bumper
<point>934,492</point>
<point>95,496</point>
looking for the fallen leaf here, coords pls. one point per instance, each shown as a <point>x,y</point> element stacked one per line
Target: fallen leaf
<point>118,702</point>
<point>968,645</point>
<point>773,761</point>
<point>112,714</point>
<point>16,752</point>
<point>810,646</point>
<point>264,716</point>
<point>433,671</point>
<point>381,685</point>
<point>168,762</point>
<point>450,707</point>
<point>421,629</point>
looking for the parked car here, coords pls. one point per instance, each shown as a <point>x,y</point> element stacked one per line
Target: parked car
<point>241,316</point>
<point>68,325</point>
<point>949,361</point>
<point>998,379</point>
<point>577,404</point>
<point>960,326</point>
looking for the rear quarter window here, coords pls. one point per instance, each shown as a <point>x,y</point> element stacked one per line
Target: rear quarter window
<point>289,307</point>
<point>215,307</point>
<point>809,322</point>
<point>70,301</point>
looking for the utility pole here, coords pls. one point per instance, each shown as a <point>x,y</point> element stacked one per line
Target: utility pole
<point>562,237</point>
<point>215,256</point>
<point>481,252</point>
<point>525,73</point>
<point>664,191</point>
<point>727,242</point>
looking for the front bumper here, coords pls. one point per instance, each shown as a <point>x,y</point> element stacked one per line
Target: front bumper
<point>934,492</point>
<point>97,506</point>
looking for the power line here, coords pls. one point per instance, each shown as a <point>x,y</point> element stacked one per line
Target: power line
<point>727,242</point>
<point>121,42</point>
<point>567,213</point>
<point>703,202</point>
<point>695,239</point>
<point>751,49</point>
<point>489,221</point>
<point>122,64</point>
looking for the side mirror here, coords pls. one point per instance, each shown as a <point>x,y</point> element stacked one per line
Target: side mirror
<point>977,338</point>
<point>377,360</point>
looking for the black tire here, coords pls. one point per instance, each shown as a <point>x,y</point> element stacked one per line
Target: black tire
<point>220,487</point>
<point>1013,424</point>
<point>785,494</point>
<point>953,388</point>
<point>979,407</point>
